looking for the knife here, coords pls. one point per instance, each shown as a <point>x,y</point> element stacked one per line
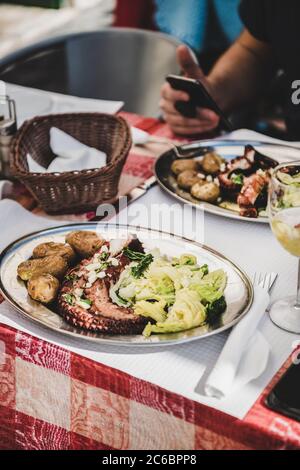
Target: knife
<point>132,196</point>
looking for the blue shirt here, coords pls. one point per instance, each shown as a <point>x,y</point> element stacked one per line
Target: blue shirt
<point>188,20</point>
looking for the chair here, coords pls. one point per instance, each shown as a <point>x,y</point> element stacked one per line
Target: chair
<point>114,64</point>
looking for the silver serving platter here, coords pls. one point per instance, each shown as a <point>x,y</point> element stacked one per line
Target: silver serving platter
<point>239,291</point>
<point>228,149</point>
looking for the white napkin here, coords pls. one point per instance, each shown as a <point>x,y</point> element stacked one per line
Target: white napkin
<point>32,102</point>
<point>6,189</point>
<point>139,137</point>
<point>245,354</point>
<point>20,222</point>
<point>3,91</point>
<point>72,155</point>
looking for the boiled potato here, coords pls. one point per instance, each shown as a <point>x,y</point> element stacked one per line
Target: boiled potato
<point>208,192</point>
<point>60,249</point>
<point>187,179</point>
<point>43,288</point>
<point>85,243</point>
<point>55,265</point>
<point>211,163</point>
<point>182,165</point>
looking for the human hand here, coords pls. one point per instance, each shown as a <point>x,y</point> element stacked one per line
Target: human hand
<point>206,120</point>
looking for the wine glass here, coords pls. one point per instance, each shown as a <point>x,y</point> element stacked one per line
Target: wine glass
<point>284,214</point>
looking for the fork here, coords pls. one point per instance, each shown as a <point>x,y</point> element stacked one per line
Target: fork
<point>141,138</point>
<point>180,150</point>
<point>265,280</point>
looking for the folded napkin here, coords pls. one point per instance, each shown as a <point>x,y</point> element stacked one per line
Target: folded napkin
<point>245,354</point>
<point>72,155</point>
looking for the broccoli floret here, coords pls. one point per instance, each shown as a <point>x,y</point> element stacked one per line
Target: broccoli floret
<point>215,310</point>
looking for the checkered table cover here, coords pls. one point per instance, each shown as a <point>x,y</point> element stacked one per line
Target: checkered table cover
<point>51,398</point>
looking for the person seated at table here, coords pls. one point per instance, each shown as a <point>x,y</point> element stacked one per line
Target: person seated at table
<point>209,27</point>
<point>270,40</point>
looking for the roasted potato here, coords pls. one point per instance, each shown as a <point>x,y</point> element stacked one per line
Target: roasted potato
<point>208,192</point>
<point>182,165</point>
<point>84,243</point>
<point>211,163</point>
<point>60,249</point>
<point>55,265</point>
<point>187,179</point>
<point>43,288</point>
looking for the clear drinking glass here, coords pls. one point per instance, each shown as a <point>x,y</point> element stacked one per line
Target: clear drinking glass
<point>284,214</point>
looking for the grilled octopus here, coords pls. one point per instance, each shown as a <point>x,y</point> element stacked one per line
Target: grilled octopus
<point>253,190</point>
<point>255,169</point>
<point>103,316</point>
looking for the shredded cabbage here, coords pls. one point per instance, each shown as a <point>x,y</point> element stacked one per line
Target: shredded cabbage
<point>187,312</point>
<point>154,310</point>
<point>211,287</point>
<point>175,293</point>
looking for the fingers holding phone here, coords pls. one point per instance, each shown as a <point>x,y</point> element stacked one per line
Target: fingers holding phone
<point>187,101</point>
<point>203,121</point>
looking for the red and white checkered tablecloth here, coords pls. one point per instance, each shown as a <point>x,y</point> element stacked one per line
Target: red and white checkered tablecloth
<point>51,398</point>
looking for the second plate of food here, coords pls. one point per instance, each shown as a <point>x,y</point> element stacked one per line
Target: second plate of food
<point>227,178</point>
<point>122,285</point>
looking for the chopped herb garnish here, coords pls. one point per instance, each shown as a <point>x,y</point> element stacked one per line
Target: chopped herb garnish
<point>238,179</point>
<point>71,277</point>
<point>102,267</point>
<point>143,260</point>
<point>103,256</point>
<point>204,269</point>
<point>138,271</point>
<point>70,299</point>
<point>133,255</point>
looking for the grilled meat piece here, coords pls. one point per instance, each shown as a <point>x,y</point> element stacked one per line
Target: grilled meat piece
<point>246,165</point>
<point>253,188</point>
<point>259,160</point>
<point>100,314</point>
<point>240,165</point>
<point>104,316</point>
<point>228,186</point>
<point>249,212</point>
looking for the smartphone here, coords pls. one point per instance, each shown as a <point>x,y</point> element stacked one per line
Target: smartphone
<point>285,396</point>
<point>199,98</point>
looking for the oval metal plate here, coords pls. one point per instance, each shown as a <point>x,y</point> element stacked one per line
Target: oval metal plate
<point>239,291</point>
<point>228,149</point>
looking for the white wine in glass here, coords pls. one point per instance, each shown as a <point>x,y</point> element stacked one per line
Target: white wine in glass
<point>284,214</point>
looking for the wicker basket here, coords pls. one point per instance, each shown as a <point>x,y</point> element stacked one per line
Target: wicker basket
<point>75,191</point>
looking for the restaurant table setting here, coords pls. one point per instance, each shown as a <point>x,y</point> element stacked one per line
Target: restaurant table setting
<point>195,361</point>
<point>210,392</point>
